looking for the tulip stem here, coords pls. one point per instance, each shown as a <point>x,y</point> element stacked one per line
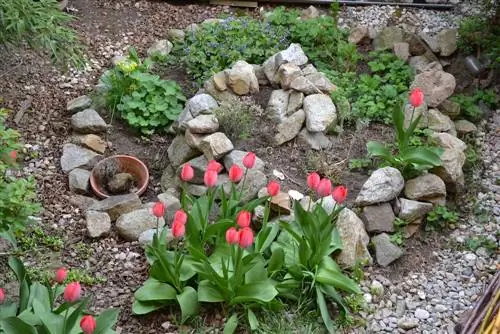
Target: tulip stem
<point>65,318</point>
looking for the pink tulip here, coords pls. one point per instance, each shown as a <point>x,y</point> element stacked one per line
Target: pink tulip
<point>187,172</point>
<point>243,218</point>
<point>72,292</point>
<point>210,178</point>
<point>88,324</point>
<point>339,194</point>
<point>180,216</point>
<point>416,97</point>
<point>232,236</point>
<point>324,187</point>
<point>313,180</point>
<point>2,295</point>
<point>215,166</point>
<point>245,237</point>
<point>61,275</point>
<point>159,210</point>
<point>249,160</point>
<point>273,188</point>
<point>178,229</point>
<point>235,173</point>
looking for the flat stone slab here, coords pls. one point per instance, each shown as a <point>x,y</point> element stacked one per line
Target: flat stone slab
<point>88,121</point>
<point>75,156</point>
<point>78,104</point>
<point>116,206</point>
<point>98,223</point>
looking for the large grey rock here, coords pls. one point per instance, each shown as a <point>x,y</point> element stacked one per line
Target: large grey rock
<point>383,185</point>
<point>385,251</point>
<point>201,104</point>
<point>80,103</point>
<point>378,218</point>
<point>316,140</point>
<point>448,141</point>
<point>88,121</point>
<point>216,145</point>
<point>438,121</point>
<point>388,37</point>
<point>130,225</point>
<point>436,85</point>
<point>161,48</point>
<point>169,179</point>
<point>209,87</point>
<point>98,223</point>
<point>464,127</point>
<point>242,79</point>
<point>357,34</point>
<point>293,54</point>
<point>450,108</point>
<point>295,102</point>
<point>354,240</point>
<point>82,202</point>
<point>287,73</point>
<point>304,85</point>
<point>425,187</point>
<point>236,158</point>
<point>79,181</point>
<point>74,156</point>
<point>278,104</point>
<point>320,112</point>
<point>290,127</point>
<point>321,82</point>
<point>401,50</point>
<point>179,151</point>
<point>193,139</point>
<point>410,210</point>
<point>171,203</point>
<point>270,68</point>
<point>447,41</point>
<point>450,171</point>
<point>417,45</point>
<point>115,206</point>
<point>203,124</point>
<point>430,41</point>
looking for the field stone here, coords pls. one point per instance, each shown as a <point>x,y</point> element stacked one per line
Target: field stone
<point>464,127</point>
<point>219,79</point>
<point>242,79</point>
<point>221,96</point>
<point>130,225</point>
<point>261,76</point>
<point>216,146</point>
<point>424,187</point>
<point>401,50</point>
<point>354,240</point>
<point>115,206</point>
<point>378,218</point>
<point>417,45</point>
<point>407,324</point>
<point>88,121</point>
<point>161,47</point>
<point>316,140</point>
<point>388,37</point>
<point>91,141</point>
<point>201,104</point>
<point>82,202</point>
<point>321,82</point>
<point>357,34</point>
<point>179,151</point>
<point>203,124</point>
<point>196,189</point>
<point>447,141</point>
<point>278,104</point>
<point>304,85</point>
<point>438,121</point>
<point>78,104</point>
<point>437,86</point>
<point>75,156</point>
<point>146,237</point>
<point>447,41</point>
<point>98,223</point>
<point>193,139</point>
<point>176,34</point>
<point>294,102</point>
<point>79,181</point>
<point>287,73</point>
<point>171,203</point>
<point>309,69</point>
<point>430,41</point>
<point>293,54</point>
<point>452,162</point>
<point>320,112</point>
<point>290,127</point>
<point>169,179</point>
<point>310,12</point>
<point>121,183</point>
<point>383,185</point>
<point>236,158</point>
<point>450,108</point>
<point>410,210</point>
<point>385,251</point>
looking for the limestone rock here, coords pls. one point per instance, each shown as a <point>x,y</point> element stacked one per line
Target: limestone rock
<point>91,141</point>
<point>290,127</point>
<point>130,225</point>
<point>321,82</point>
<point>79,181</point>
<point>201,104</point>
<point>417,46</point>
<point>304,85</point>
<point>216,145</point>
<point>378,218</point>
<point>354,240</point>
<point>161,48</point>
<point>171,203</point>
<point>176,34</point>
<point>412,114</point>
<point>410,210</point>
<point>295,102</point>
<point>82,202</point>
<point>210,88</point>
<point>242,79</point>
<point>385,251</point>
<point>220,80</point>
<point>115,206</point>
<point>88,121</point>
<point>436,85</point>
<point>309,69</point>
<point>287,73</point>
<point>464,127</point>
<point>196,189</point>
<point>98,223</point>
<point>450,108</point>
<point>438,121</point>
<point>236,158</point>
<point>316,140</point>
<point>401,50</point>
<point>320,112</point>
<point>179,151</point>
<point>388,37</point>
<point>450,170</point>
<point>447,41</point>
<point>278,104</point>
<point>383,185</point>
<point>424,187</point>
<point>270,68</point>
<point>293,54</point>
<point>169,179</point>
<point>203,124</point>
<point>281,204</point>
<point>193,139</point>
<point>80,103</point>
<point>430,41</point>
<point>74,156</point>
<point>261,76</point>
<point>310,12</point>
<point>357,34</point>
<point>448,141</point>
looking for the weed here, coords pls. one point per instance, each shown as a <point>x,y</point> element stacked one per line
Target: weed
<point>476,242</point>
<point>469,105</point>
<point>237,118</point>
<point>74,275</point>
<point>36,239</point>
<point>398,236</point>
<point>335,9</point>
<point>83,251</point>
<point>479,34</point>
<point>359,164</point>
<point>440,217</point>
<point>317,161</point>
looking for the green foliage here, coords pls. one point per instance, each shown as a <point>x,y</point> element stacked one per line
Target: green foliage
<point>476,242</point>
<point>74,275</point>
<point>142,99</point>
<point>398,236</point>
<point>479,34</point>
<point>360,164</point>
<point>214,47</point>
<point>43,26</point>
<point>237,118</point>
<point>469,105</point>
<point>17,195</point>
<point>35,239</point>
<point>440,217</point>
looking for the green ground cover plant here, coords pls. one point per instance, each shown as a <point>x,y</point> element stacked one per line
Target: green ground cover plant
<point>469,104</point>
<point>440,217</point>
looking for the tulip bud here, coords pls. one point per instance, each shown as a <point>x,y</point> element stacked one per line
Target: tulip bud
<point>313,180</point>
<point>13,155</point>
<point>178,229</point>
<point>339,194</point>
<point>215,166</point>
<point>324,187</point>
<point>159,210</point>
<point>232,236</point>
<point>210,178</point>
<point>2,295</point>
<point>180,216</point>
<point>72,292</point>
<point>88,324</point>
<point>416,97</point>
<point>249,160</point>
<point>243,218</point>
<point>245,237</point>
<point>187,172</point>
<point>61,275</point>
<point>273,188</point>
<point>235,173</point>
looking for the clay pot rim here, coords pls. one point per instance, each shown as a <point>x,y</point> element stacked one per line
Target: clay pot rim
<point>93,179</point>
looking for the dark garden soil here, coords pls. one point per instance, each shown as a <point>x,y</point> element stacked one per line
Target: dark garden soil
<point>27,76</point>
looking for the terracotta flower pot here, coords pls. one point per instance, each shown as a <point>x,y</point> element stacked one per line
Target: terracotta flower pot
<point>119,164</point>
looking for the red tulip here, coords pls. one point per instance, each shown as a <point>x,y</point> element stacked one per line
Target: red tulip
<point>232,236</point>
<point>215,166</point>
<point>416,97</point>
<point>210,178</point>
<point>72,292</point>
<point>61,275</point>
<point>13,155</point>
<point>273,188</point>
<point>88,324</point>
<point>339,194</point>
<point>178,229</point>
<point>245,237</point>
<point>243,218</point>
<point>187,172</point>
<point>249,160</point>
<point>235,173</point>
<point>159,210</point>
<point>313,180</point>
<point>180,216</point>
<point>2,295</point>
<point>324,187</point>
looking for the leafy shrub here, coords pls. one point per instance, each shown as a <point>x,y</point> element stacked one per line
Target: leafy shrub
<point>17,195</point>
<point>143,100</point>
<point>469,105</point>
<point>236,118</point>
<point>43,26</point>
<point>216,46</point>
<point>440,217</point>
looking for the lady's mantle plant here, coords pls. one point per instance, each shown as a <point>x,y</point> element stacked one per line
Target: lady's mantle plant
<point>225,260</point>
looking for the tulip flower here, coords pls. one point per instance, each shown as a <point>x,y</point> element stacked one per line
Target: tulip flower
<point>339,194</point>
<point>2,295</point>
<point>61,275</point>
<point>235,173</point>
<point>313,180</point>
<point>178,229</point>
<point>13,155</point>
<point>243,218</point>
<point>159,210</point>
<point>88,324</point>
<point>210,178</point>
<point>273,188</point>
<point>187,172</point>
<point>245,237</point>
<point>232,236</point>
<point>416,97</point>
<point>324,187</point>
<point>180,216</point>
<point>215,166</point>
<point>249,160</point>
<point>72,292</point>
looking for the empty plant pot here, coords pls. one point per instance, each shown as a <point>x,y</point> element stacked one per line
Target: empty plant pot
<point>108,168</point>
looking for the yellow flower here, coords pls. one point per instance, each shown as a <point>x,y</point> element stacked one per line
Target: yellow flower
<point>127,66</point>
